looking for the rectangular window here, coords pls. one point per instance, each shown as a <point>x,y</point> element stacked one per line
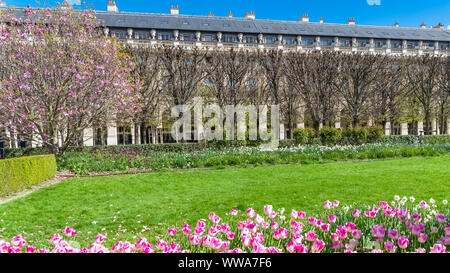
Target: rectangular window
<point>207,38</point>
<point>396,44</point>
<point>269,40</point>
<point>165,36</point>
<point>124,136</point>
<point>363,42</point>
<point>308,41</point>
<point>443,46</point>
<point>413,44</point>
<point>228,39</point>
<point>250,40</point>
<point>326,41</point>
<point>345,42</point>
<point>380,43</point>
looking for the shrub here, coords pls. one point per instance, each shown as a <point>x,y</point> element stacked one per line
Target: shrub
<point>374,134</point>
<point>355,135</point>
<point>304,136</point>
<point>330,135</point>
<point>20,173</point>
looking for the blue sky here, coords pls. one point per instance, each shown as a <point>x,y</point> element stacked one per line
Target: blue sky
<point>409,13</point>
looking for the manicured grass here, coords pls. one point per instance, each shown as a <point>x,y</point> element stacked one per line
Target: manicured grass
<point>174,197</point>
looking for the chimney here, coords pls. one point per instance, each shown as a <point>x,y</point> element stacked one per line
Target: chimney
<point>112,7</point>
<point>351,21</point>
<point>321,20</point>
<point>396,24</point>
<point>250,15</point>
<point>423,25</point>
<point>2,4</point>
<point>230,15</point>
<point>440,26</point>
<point>174,10</point>
<point>211,14</point>
<point>304,18</point>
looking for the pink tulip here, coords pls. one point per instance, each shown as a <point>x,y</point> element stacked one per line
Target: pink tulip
<point>250,212</point>
<point>69,232</point>
<point>30,249</point>
<point>393,234</point>
<point>99,238</point>
<point>317,246</point>
<point>327,204</point>
<point>390,246</point>
<point>422,238</point>
<point>172,231</point>
<point>437,248</point>
<point>310,236</point>
<point>335,203</point>
<point>233,212</point>
<point>18,241</point>
<point>268,209</point>
<point>440,218</point>
<point>356,213</point>
<point>332,218</point>
<point>301,215</point>
<point>403,242</point>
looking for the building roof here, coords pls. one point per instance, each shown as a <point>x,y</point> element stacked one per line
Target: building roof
<point>256,26</point>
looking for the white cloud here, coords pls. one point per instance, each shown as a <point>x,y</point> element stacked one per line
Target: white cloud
<point>374,2</point>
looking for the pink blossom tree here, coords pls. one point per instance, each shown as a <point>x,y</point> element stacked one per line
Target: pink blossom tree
<point>59,74</point>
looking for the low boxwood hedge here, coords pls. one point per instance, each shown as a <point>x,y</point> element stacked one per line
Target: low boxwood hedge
<point>17,174</point>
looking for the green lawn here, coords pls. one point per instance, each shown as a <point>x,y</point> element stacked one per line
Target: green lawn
<point>173,197</point>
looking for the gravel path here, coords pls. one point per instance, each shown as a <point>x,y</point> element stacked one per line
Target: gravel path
<point>60,176</point>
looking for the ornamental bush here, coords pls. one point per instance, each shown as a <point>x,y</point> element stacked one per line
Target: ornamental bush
<point>330,135</point>
<point>355,135</point>
<point>304,136</point>
<point>20,173</point>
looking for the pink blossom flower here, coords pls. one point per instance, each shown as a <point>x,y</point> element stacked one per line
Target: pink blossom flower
<point>317,246</point>
<point>422,238</point>
<point>437,248</point>
<point>30,249</point>
<point>357,234</point>
<point>335,203</point>
<point>171,231</point>
<point>294,214</point>
<point>420,250</point>
<point>390,246</point>
<point>403,242</point>
<point>69,232</point>
<point>268,209</point>
<point>99,238</point>
<point>440,218</point>
<point>233,212</point>
<point>393,234</point>
<point>301,215</point>
<point>325,227</point>
<point>18,241</point>
<point>310,236</point>
<point>327,204</point>
<point>378,232</point>
<point>250,212</point>
<point>332,218</point>
<point>356,213</point>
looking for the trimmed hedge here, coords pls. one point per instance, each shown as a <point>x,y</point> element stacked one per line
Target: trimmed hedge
<point>301,136</point>
<point>17,174</point>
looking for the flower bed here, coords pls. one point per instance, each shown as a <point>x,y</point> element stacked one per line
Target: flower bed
<point>402,226</point>
<point>106,160</point>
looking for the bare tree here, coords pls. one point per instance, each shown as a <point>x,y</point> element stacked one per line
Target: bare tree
<point>313,75</point>
<point>444,94</point>
<point>388,93</point>
<point>149,70</point>
<point>184,70</point>
<point>357,74</point>
<point>423,77</point>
